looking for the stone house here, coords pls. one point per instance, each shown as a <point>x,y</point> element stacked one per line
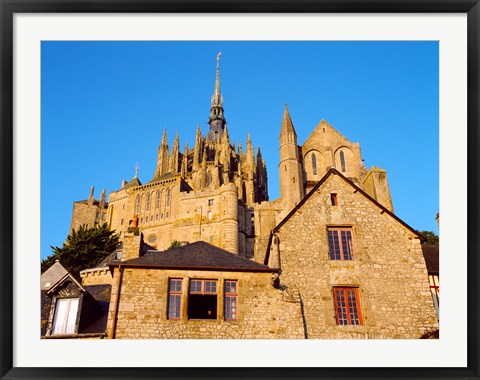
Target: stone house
<point>328,259</point>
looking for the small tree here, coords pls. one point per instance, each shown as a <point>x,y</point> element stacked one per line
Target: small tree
<point>84,248</point>
<point>175,244</point>
<point>430,237</point>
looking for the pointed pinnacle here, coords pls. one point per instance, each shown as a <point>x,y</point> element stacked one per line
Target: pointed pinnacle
<point>164,137</point>
<point>259,153</point>
<point>176,141</point>
<point>287,125</point>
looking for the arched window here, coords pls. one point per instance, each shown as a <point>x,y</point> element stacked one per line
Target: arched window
<point>157,203</point>
<point>342,161</point>
<point>314,164</point>
<point>168,197</point>
<point>138,203</point>
<point>148,201</point>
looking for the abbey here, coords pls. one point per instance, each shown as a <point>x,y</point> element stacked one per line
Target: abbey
<point>328,259</point>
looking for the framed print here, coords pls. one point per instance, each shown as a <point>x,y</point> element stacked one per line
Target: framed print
<point>210,152</point>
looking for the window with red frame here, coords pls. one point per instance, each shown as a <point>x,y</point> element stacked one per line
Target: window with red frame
<point>340,243</point>
<point>231,299</point>
<point>174,298</point>
<point>347,306</point>
<point>202,299</point>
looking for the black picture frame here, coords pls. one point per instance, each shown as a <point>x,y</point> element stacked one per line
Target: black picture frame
<point>9,8</point>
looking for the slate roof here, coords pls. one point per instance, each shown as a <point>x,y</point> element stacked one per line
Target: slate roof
<point>163,176</point>
<point>133,182</point>
<point>198,255</point>
<point>101,294</point>
<point>52,275</point>
<point>430,253</point>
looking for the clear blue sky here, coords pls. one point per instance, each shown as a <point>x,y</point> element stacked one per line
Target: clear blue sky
<point>105,105</point>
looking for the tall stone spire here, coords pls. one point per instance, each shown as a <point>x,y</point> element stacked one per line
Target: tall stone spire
<point>216,119</point>
<point>197,151</point>
<point>162,158</point>
<point>184,166</point>
<point>173,164</point>
<point>287,125</point>
<point>217,99</point>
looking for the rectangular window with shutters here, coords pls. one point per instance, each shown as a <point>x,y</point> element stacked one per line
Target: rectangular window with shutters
<point>347,306</point>
<point>231,300</point>
<point>340,243</point>
<point>174,298</point>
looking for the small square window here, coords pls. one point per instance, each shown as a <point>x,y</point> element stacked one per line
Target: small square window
<point>210,202</point>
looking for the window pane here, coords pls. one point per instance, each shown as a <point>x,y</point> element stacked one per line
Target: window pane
<point>230,307</point>
<point>352,306</point>
<point>334,245</point>
<point>341,307</point>
<point>230,286</point>
<point>195,285</point>
<point>210,286</point>
<point>72,316</point>
<point>174,302</point>
<point>175,285</point>
<point>347,245</point>
<point>60,319</point>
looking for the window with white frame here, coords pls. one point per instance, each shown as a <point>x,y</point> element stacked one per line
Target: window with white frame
<point>65,316</point>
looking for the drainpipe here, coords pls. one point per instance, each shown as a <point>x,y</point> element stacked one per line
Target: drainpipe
<point>117,301</point>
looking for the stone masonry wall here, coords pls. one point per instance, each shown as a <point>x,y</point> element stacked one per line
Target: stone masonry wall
<point>263,311</point>
<point>327,140</point>
<point>388,267</point>
<point>209,215</point>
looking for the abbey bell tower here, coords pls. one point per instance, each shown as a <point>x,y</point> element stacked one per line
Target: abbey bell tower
<point>217,119</point>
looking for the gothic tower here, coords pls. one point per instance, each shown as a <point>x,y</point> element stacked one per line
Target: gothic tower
<point>217,119</point>
<point>290,167</point>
